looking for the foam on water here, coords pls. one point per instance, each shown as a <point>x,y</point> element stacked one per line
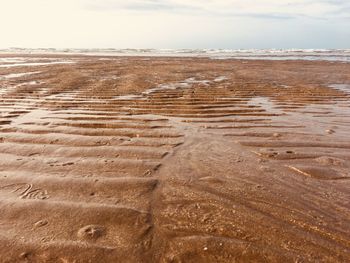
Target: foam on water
<point>261,54</point>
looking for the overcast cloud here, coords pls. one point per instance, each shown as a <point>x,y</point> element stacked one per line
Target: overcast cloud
<point>175,23</point>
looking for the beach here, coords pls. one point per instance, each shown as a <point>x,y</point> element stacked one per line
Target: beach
<point>173,159</point>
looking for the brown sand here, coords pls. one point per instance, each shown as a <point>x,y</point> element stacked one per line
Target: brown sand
<point>225,161</point>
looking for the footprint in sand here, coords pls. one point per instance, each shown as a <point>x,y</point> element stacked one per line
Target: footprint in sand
<point>325,160</point>
<point>68,164</point>
<point>267,169</point>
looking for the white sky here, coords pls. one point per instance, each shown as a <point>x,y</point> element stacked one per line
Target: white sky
<point>175,23</point>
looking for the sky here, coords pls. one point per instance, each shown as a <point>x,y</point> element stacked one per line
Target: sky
<point>175,24</point>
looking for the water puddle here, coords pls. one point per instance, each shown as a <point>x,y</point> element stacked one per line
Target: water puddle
<point>284,86</point>
<point>221,78</point>
<point>12,60</point>
<point>32,116</point>
<point>187,83</point>
<point>341,87</point>
<point>264,103</point>
<point>17,75</point>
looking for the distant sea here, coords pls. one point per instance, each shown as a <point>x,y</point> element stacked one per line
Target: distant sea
<point>261,54</point>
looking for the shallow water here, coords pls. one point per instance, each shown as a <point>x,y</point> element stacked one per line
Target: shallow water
<point>35,64</point>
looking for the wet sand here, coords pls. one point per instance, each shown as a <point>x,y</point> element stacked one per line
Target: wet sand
<point>122,159</point>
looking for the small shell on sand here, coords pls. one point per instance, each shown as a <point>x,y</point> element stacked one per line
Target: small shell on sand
<point>330,131</point>
<point>24,255</point>
<point>41,223</point>
<point>91,232</point>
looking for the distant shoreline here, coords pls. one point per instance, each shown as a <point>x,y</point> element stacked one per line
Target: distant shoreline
<point>342,55</point>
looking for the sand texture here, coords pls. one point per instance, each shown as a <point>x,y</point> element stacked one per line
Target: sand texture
<point>121,159</point>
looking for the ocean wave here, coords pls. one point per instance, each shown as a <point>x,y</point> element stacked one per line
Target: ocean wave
<point>268,54</point>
